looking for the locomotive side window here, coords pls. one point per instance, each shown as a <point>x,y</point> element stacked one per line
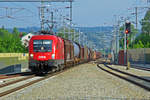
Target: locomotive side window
<point>42,45</point>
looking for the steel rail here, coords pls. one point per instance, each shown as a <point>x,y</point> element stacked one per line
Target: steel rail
<point>141,68</point>
<point>125,78</point>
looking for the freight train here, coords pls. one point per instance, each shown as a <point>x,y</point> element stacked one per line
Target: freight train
<point>48,52</point>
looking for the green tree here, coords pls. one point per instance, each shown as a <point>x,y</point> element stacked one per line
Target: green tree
<point>145,40</point>
<point>144,37</point>
<point>11,42</point>
<point>146,23</point>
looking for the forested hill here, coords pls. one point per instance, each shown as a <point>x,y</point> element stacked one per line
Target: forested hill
<point>97,36</point>
<point>94,34</point>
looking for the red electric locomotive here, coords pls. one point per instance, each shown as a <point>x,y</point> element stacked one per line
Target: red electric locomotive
<point>45,53</point>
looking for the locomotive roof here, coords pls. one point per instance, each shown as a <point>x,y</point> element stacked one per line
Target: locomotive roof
<point>43,36</point>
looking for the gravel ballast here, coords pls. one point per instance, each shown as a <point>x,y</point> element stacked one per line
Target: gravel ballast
<point>83,82</point>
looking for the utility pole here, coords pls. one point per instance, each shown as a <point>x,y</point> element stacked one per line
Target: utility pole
<point>136,13</point>
<point>117,37</point>
<point>42,15</point>
<point>70,20</point>
<point>79,37</point>
<point>74,39</point>
<point>70,12</point>
<point>52,19</point>
<point>114,44</point>
<point>86,41</point>
<point>83,40</point>
<point>63,20</point>
<point>116,57</point>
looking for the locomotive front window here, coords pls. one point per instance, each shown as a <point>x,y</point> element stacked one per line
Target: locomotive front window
<point>42,45</point>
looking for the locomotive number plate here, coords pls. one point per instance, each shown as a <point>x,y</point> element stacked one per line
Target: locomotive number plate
<point>42,56</point>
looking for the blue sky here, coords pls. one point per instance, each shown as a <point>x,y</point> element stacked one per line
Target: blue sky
<point>85,12</point>
<point>98,12</point>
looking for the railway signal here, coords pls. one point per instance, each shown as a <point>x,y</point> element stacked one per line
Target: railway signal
<point>127,27</point>
<point>127,30</point>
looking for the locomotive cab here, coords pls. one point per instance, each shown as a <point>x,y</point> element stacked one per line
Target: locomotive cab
<point>45,53</point>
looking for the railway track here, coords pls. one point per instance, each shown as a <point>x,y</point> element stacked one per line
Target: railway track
<point>137,80</point>
<point>15,81</point>
<point>141,68</point>
<point>27,82</point>
<point>27,75</point>
<point>7,76</point>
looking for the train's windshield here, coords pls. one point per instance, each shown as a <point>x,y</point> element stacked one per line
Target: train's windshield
<point>42,45</point>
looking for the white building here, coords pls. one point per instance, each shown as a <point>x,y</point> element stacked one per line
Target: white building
<point>25,39</point>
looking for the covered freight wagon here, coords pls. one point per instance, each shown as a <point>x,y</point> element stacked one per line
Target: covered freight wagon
<point>68,52</point>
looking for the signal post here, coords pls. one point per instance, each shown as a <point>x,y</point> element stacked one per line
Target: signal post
<point>126,41</point>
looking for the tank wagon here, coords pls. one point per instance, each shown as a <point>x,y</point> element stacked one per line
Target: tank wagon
<point>48,52</point>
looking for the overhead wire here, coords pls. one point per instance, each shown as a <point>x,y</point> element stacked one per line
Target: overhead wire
<point>27,9</point>
<point>21,18</point>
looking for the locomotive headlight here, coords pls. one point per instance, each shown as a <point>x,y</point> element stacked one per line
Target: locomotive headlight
<point>31,55</point>
<point>53,56</point>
